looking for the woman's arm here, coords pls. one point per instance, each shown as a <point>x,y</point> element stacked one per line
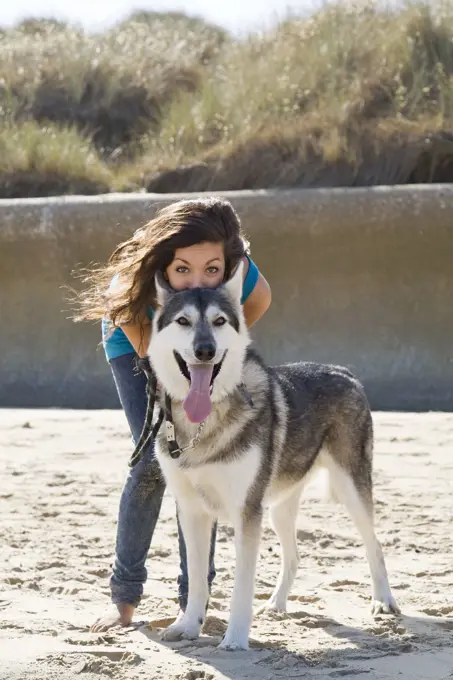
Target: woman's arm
<point>139,335</point>
<point>259,300</point>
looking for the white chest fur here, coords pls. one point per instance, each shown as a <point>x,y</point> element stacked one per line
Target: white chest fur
<point>221,488</point>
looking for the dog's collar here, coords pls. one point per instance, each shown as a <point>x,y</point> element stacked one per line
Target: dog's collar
<point>149,432</point>
<point>174,449</point>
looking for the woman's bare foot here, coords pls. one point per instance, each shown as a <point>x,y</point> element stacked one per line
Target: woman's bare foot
<point>118,615</point>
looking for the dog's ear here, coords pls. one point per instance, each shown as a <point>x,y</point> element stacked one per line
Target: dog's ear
<point>233,286</point>
<point>163,289</point>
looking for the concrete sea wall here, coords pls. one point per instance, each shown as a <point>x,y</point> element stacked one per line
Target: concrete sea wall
<point>360,277</point>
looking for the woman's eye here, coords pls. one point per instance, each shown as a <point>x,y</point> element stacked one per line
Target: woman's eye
<point>212,270</point>
<point>220,321</point>
<point>182,270</point>
<point>182,321</point>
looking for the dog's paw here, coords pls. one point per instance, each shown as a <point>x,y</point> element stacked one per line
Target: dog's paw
<point>181,631</point>
<point>384,605</point>
<point>234,643</point>
<point>272,606</point>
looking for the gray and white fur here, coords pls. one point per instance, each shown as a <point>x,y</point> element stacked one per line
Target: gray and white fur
<point>305,416</point>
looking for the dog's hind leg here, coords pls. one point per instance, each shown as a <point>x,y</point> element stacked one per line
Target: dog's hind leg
<point>247,534</point>
<point>357,498</point>
<point>196,525</point>
<point>283,517</point>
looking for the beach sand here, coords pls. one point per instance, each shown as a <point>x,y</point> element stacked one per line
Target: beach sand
<point>61,478</point>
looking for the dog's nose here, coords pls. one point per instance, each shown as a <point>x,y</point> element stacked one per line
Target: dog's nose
<point>205,351</point>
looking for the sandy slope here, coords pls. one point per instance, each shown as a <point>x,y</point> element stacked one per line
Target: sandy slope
<point>61,475</point>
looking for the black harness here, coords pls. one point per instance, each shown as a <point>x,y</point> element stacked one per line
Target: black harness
<point>149,432</point>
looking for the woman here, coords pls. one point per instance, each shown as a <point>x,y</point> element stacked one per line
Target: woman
<point>194,243</point>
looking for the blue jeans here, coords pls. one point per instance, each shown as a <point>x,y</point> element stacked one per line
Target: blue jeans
<point>141,499</point>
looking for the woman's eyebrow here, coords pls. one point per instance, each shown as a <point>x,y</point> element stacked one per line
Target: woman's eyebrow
<point>185,261</point>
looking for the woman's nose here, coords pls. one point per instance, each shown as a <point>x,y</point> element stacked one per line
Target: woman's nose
<point>198,281</point>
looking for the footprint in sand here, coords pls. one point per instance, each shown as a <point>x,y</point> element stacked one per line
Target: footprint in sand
<point>307,621</point>
<point>102,572</point>
<point>339,585</point>
<point>438,611</point>
<point>155,624</point>
<point>306,535</point>
<point>14,581</point>
<point>87,640</point>
<point>113,664</point>
<point>64,590</point>
<point>447,624</point>
<point>56,564</point>
<point>305,599</point>
<point>214,626</point>
<point>387,627</point>
<point>195,675</point>
<point>289,661</point>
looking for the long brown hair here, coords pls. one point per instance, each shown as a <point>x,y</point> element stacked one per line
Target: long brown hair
<point>150,250</point>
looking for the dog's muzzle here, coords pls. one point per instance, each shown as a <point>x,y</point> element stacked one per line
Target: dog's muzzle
<point>185,370</point>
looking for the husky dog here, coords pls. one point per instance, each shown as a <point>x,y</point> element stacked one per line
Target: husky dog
<point>248,436</point>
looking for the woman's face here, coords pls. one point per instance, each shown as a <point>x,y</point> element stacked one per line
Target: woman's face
<point>199,266</point>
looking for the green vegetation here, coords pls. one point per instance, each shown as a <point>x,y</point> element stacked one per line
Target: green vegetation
<point>357,94</point>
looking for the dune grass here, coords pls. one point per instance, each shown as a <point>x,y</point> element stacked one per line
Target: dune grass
<point>357,94</point>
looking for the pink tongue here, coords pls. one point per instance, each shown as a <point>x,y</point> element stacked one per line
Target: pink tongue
<point>197,404</point>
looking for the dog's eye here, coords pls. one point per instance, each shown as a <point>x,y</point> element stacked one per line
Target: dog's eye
<point>220,321</point>
<point>183,321</point>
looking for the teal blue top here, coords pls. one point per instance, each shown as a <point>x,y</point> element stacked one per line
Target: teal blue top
<point>116,344</point>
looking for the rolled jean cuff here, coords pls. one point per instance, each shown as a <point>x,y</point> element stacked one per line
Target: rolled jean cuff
<point>121,597</point>
<point>126,593</point>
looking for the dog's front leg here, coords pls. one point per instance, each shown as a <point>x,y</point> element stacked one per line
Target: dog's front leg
<point>247,533</point>
<point>196,527</point>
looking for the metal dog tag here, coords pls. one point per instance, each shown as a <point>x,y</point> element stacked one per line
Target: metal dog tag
<point>170,432</point>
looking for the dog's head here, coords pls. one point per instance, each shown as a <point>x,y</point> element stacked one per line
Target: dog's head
<point>198,343</point>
